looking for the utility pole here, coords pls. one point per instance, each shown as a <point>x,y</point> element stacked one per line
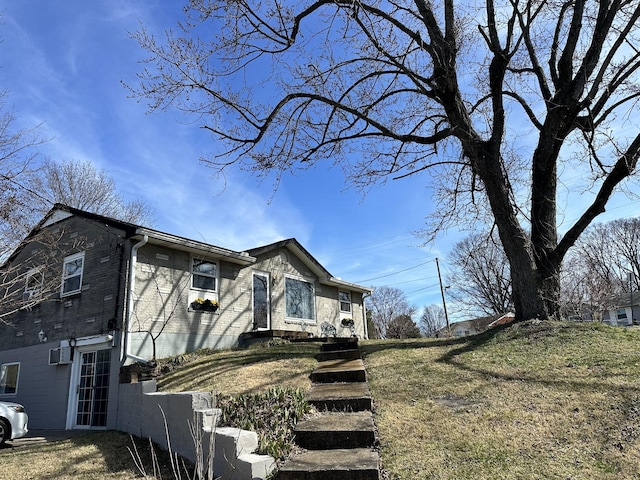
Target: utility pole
<point>631,293</point>
<point>444,304</point>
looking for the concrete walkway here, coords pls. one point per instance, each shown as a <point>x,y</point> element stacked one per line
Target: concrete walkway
<point>338,442</point>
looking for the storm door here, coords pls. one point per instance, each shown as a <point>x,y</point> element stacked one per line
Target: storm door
<point>93,389</point>
<point>261,304</point>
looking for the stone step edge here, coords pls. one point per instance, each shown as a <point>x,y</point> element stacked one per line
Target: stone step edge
<point>349,459</point>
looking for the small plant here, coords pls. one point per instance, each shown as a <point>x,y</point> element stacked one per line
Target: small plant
<point>272,415</point>
<point>347,322</point>
<point>205,305</point>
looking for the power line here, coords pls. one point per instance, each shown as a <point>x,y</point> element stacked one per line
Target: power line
<point>422,289</point>
<point>394,273</point>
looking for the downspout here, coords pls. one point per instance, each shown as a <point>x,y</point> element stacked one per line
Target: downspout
<point>130,293</point>
<point>364,315</point>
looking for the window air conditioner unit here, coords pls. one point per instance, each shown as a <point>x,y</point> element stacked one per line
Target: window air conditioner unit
<point>60,356</point>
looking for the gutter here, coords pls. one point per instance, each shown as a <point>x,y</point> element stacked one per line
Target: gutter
<point>130,293</point>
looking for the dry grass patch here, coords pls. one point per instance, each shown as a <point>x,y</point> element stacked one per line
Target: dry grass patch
<point>538,400</point>
<point>93,456</point>
<point>236,372</point>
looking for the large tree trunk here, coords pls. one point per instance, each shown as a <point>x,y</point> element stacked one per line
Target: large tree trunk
<point>535,271</point>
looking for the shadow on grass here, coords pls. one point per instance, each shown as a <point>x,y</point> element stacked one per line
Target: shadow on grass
<point>465,343</point>
<point>194,372</point>
<point>531,331</point>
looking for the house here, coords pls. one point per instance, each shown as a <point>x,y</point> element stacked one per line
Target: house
<point>622,310</point>
<point>125,294</point>
<point>478,325</point>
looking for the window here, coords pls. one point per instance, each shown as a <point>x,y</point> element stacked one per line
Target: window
<point>9,378</point>
<point>72,274</point>
<point>204,274</point>
<point>345,301</point>
<point>299,298</point>
<point>622,313</point>
<point>33,284</point>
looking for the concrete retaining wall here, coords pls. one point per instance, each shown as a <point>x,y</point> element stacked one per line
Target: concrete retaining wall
<point>144,412</point>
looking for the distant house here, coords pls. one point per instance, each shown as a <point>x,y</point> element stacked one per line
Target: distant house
<point>622,310</point>
<point>478,325</point>
<point>126,294</point>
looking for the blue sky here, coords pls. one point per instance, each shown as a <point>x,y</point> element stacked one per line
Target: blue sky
<point>63,63</point>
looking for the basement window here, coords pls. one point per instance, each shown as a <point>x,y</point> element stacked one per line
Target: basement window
<point>9,378</point>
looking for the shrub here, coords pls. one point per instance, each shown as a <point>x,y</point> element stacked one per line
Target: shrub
<point>272,415</point>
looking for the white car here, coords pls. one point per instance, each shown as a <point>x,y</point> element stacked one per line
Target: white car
<point>13,421</point>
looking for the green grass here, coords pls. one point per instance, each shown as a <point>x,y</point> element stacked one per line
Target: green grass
<point>533,401</point>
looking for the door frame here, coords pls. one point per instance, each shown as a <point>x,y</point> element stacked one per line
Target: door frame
<point>267,275</point>
<point>83,345</point>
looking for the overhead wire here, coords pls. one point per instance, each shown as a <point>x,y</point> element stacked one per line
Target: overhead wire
<point>394,273</point>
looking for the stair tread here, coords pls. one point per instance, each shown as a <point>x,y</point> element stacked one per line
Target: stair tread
<point>351,354</point>
<point>339,365</point>
<point>338,422</point>
<point>351,459</point>
<point>330,391</point>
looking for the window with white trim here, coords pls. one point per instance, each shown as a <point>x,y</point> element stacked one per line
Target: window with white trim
<point>34,280</point>
<point>299,298</point>
<point>204,274</point>
<point>9,378</point>
<point>72,269</point>
<point>621,313</point>
<point>345,301</point>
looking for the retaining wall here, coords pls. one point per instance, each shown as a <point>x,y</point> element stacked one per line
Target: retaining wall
<point>146,413</point>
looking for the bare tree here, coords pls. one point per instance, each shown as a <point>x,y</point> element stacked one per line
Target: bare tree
<point>81,185</point>
<point>385,304</point>
<point>18,152</point>
<point>487,97</point>
<point>604,263</point>
<point>403,327</point>
<point>28,189</point>
<point>480,276</point>
<point>432,320</point>
<point>32,274</point>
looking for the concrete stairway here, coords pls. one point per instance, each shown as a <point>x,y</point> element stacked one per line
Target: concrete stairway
<point>338,442</point>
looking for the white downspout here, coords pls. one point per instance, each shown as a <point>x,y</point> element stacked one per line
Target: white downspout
<point>130,297</point>
<point>364,315</point>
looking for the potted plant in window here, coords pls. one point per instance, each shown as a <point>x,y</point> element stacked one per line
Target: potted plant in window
<point>204,305</point>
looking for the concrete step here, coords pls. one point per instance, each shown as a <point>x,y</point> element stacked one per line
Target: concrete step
<point>353,354</point>
<point>338,343</point>
<point>341,464</point>
<point>336,431</point>
<point>340,397</point>
<point>339,371</point>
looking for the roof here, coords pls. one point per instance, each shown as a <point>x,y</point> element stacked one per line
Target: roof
<point>624,300</point>
<point>156,237</point>
<point>61,212</point>
<point>485,323</point>
<point>310,262</point>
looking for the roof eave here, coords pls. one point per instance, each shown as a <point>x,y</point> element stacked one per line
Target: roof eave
<point>336,282</point>
<point>192,246</point>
